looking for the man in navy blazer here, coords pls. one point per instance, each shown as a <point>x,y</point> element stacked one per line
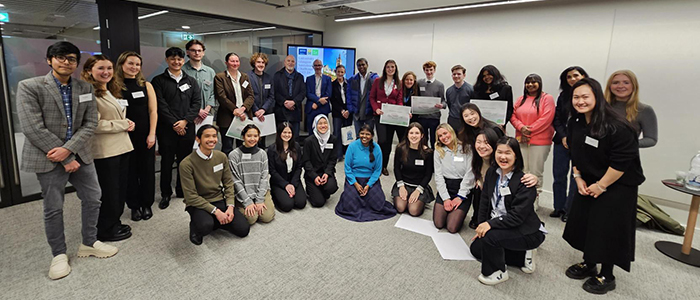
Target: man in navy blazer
<point>318,94</point>
<point>359,87</point>
<point>289,93</point>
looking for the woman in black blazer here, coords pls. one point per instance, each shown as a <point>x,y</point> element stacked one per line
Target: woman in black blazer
<point>284,159</point>
<point>491,85</point>
<point>339,108</point>
<point>508,226</point>
<point>319,160</point>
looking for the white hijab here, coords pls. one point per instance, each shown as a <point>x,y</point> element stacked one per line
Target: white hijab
<point>321,137</point>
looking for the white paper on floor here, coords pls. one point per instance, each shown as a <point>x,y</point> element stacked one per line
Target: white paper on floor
<point>452,246</point>
<point>417,225</point>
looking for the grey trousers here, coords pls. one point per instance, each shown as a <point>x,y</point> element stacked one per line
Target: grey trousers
<point>53,184</point>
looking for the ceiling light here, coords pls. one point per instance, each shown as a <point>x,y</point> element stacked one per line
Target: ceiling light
<point>434,10</point>
<point>2,5</point>
<point>2,23</point>
<point>237,30</point>
<point>153,14</point>
<point>96,28</point>
<point>185,27</point>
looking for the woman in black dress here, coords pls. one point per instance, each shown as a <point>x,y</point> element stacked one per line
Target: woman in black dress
<point>284,158</point>
<point>605,158</point>
<point>413,168</point>
<point>491,85</point>
<point>319,160</point>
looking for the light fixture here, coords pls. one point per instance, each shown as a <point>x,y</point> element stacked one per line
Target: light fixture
<point>2,5</point>
<point>153,14</point>
<point>434,10</point>
<point>237,30</point>
<point>96,28</point>
<point>2,23</point>
<point>185,27</point>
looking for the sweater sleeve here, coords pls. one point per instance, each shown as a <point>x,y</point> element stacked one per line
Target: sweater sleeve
<point>468,181</point>
<point>649,127</point>
<point>398,163</point>
<point>349,158</point>
<point>440,184</point>
<point>264,184</point>
<point>377,168</point>
<point>189,189</point>
<point>507,94</point>
<point>235,165</point>
<point>195,103</point>
<point>546,115</point>
<point>514,117</point>
<point>227,180</point>
<point>110,126</point>
<point>164,112</point>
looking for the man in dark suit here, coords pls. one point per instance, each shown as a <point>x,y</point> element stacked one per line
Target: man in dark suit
<point>289,93</point>
<point>179,99</point>
<point>318,94</point>
<point>58,116</point>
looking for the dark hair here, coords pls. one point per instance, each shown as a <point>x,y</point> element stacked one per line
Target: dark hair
<point>233,53</point>
<point>339,66</point>
<point>603,115</point>
<point>204,127</point>
<point>468,133</point>
<point>362,59</point>
<point>174,51</point>
<point>114,86</point>
<point>536,78</point>
<point>498,82</point>
<point>368,128</point>
<point>423,148</point>
<point>564,86</point>
<point>477,162</point>
<point>249,127</point>
<point>396,78</point>
<point>62,48</point>
<point>515,146</point>
<point>194,42</point>
<point>279,143</point>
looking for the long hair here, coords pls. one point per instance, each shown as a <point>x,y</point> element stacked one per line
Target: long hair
<point>439,145</point>
<point>414,90</point>
<point>279,143</point>
<point>632,106</point>
<point>468,133</point>
<point>396,74</point>
<point>119,70</point>
<point>477,161</point>
<point>113,86</point>
<point>498,82</point>
<point>602,116</point>
<point>515,146</point>
<point>368,128</point>
<point>533,78</point>
<point>564,86</point>
<point>404,144</point>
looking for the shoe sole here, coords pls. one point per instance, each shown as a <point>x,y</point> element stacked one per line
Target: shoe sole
<point>112,239</point>
<point>57,277</point>
<point>598,292</point>
<point>90,252</point>
<point>492,283</point>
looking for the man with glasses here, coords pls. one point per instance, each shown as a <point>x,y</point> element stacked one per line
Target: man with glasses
<point>318,94</point>
<point>289,93</point>
<point>204,75</point>
<point>58,116</point>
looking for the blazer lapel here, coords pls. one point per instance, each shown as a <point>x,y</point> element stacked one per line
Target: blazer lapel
<point>54,92</point>
<point>75,98</point>
<point>513,185</point>
<point>228,85</point>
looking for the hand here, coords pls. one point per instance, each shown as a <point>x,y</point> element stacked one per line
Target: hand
<point>529,180</point>
<point>481,230</point>
<point>364,190</point>
<point>229,213</point>
<point>181,132</point>
<point>456,202</point>
<point>447,204</point>
<point>525,130</point>
<point>198,120</point>
<point>410,116</point>
<point>318,181</point>
<point>524,139</point>
<point>290,190</point>
<point>58,154</point>
<point>480,184</point>
<point>438,105</point>
<point>323,100</point>
<point>346,114</point>
<point>151,140</point>
<point>132,125</point>
<point>582,188</point>
<point>250,210</point>
<point>314,106</point>
<point>289,104</point>
<point>260,208</point>
<point>260,114</point>
<point>414,196</point>
<point>403,193</point>
<point>324,178</point>
<point>203,114</point>
<point>595,190</point>
<point>222,217</point>
<point>72,166</point>
<point>359,188</point>
<point>563,142</point>
<point>180,125</point>
<point>379,112</point>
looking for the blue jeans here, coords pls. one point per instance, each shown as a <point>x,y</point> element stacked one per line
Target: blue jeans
<point>560,167</point>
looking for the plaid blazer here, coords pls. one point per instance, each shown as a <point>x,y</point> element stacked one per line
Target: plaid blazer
<point>43,122</point>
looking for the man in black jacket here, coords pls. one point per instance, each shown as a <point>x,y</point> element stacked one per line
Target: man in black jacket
<point>290,91</point>
<point>179,101</point>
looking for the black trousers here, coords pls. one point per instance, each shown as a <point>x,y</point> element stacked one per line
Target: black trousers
<point>227,142</point>
<point>385,138</point>
<point>504,246</point>
<point>203,222</point>
<point>318,195</point>
<point>173,148</point>
<point>475,196</point>
<point>285,203</point>
<point>429,126</point>
<point>112,174</point>
<point>141,185</point>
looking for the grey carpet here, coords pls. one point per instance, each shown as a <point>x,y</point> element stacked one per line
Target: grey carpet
<point>304,254</point>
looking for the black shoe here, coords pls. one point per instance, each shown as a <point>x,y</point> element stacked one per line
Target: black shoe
<point>599,285</point>
<point>564,217</point>
<point>136,214</point>
<point>557,213</point>
<point>472,225</point>
<point>146,213</point>
<point>164,202</point>
<point>119,236</point>
<point>123,228</point>
<point>195,238</point>
<point>581,271</point>
<point>385,172</point>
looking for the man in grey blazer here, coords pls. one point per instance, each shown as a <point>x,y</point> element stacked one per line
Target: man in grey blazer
<point>58,116</point>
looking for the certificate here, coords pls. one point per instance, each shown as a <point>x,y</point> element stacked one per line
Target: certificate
<point>424,105</point>
<point>494,110</point>
<point>266,127</point>
<point>395,115</point>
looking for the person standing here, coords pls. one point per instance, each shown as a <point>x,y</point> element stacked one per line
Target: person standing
<point>204,75</point>
<point>235,95</point>
<point>289,91</point>
<point>458,94</point>
<point>359,88</point>
<point>409,88</point>
<point>143,111</point>
<point>431,87</point>
<point>491,85</point>
<point>58,116</point>
<point>318,94</point>
<point>263,89</point>
<point>179,101</point>
<point>339,106</point>
<point>622,92</point>
<point>386,89</point>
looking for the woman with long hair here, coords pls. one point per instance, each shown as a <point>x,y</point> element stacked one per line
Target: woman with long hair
<point>319,159</point>
<point>622,92</point>
<point>284,157</point>
<point>413,168</point>
<point>605,157</point>
<point>491,85</point>
<point>472,123</point>
<point>409,88</point>
<point>386,89</point>
<point>111,146</point>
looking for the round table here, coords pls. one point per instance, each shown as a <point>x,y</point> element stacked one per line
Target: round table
<point>683,253</point>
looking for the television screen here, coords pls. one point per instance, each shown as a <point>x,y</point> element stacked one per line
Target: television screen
<point>330,56</point>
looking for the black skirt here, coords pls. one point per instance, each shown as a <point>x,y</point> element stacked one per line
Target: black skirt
<point>427,196</point>
<point>453,186</point>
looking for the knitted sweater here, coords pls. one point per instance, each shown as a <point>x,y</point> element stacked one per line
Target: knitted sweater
<point>203,180</point>
<point>251,176</point>
<point>539,121</point>
<point>433,89</point>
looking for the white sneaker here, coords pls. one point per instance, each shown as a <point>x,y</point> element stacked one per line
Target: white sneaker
<point>59,267</point>
<point>495,278</point>
<point>98,249</point>
<point>529,266</point>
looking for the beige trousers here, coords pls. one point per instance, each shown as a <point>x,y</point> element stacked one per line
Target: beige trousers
<point>267,214</point>
<point>534,157</point>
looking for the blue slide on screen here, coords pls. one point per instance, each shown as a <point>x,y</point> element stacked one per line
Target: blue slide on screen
<point>330,56</point>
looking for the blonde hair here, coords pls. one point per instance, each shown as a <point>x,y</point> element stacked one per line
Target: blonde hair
<point>255,57</point>
<point>452,146</point>
<point>632,105</point>
<point>119,70</point>
<point>113,85</point>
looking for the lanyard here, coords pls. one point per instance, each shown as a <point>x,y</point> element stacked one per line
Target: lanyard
<point>498,189</point>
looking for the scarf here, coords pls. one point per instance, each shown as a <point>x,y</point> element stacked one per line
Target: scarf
<point>321,137</point>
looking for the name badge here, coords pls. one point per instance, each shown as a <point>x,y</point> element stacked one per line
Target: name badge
<point>207,82</point>
<point>505,191</point>
<point>218,168</point>
<point>85,98</point>
<point>137,95</point>
<point>419,162</point>
<point>123,102</point>
<point>184,87</point>
<point>459,158</point>
<point>422,89</point>
<point>494,96</point>
<point>268,86</point>
<point>329,146</point>
<point>247,156</point>
<point>591,141</point>
<point>245,84</point>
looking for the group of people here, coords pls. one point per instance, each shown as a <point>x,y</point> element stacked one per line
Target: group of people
<point>119,116</point>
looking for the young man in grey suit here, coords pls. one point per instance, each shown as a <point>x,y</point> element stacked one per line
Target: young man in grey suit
<point>58,116</point>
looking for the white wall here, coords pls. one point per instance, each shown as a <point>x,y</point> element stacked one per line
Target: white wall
<point>658,40</point>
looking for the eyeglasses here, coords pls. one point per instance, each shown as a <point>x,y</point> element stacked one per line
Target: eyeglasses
<point>62,59</point>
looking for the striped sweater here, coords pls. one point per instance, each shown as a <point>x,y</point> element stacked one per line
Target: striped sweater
<point>251,177</point>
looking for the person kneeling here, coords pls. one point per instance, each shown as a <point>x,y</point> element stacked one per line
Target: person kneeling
<point>509,228</point>
<point>251,178</point>
<point>202,174</point>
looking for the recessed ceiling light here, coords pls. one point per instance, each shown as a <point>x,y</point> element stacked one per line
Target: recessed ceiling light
<point>153,14</point>
<point>185,27</point>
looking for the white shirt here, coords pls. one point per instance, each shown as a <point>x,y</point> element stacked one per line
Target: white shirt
<point>388,87</point>
<point>319,80</point>
<point>236,87</point>
<point>363,80</point>
<point>177,78</point>
<point>342,91</point>
<point>454,165</point>
<point>498,205</point>
<point>204,157</point>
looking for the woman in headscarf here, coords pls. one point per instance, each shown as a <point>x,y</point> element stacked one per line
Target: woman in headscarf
<point>319,162</point>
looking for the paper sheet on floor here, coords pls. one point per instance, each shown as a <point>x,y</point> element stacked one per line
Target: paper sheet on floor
<point>452,246</point>
<point>417,225</point>
<point>208,120</point>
